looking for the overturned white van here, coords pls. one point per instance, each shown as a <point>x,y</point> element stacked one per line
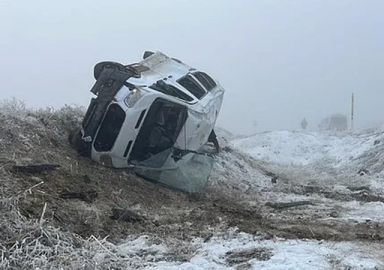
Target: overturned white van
<point>154,116</point>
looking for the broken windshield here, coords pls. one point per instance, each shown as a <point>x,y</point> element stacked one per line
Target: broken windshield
<point>160,129</point>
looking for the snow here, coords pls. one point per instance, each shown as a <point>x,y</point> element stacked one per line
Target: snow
<point>328,160</point>
<point>304,148</point>
<point>283,254</point>
<point>364,212</point>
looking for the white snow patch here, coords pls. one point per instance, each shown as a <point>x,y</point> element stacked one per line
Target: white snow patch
<point>283,254</point>
<point>363,212</point>
<point>304,148</point>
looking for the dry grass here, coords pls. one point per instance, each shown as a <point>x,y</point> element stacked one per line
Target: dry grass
<point>28,243</point>
<point>40,230</point>
<point>30,137</point>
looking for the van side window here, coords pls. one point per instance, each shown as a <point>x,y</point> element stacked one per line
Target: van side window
<point>168,89</point>
<point>205,80</point>
<point>192,86</point>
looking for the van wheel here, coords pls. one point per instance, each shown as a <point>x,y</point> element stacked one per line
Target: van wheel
<point>103,65</point>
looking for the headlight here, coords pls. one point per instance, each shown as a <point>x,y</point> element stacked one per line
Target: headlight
<point>133,97</point>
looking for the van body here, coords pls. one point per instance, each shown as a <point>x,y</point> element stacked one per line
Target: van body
<point>159,105</point>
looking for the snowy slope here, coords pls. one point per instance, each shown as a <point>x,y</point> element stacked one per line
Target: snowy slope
<point>238,175</point>
<point>300,159</point>
<point>304,148</point>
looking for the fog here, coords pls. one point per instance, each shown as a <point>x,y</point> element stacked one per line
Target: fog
<point>279,61</point>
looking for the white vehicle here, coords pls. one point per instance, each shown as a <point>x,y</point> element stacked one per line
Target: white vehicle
<point>152,114</point>
<point>335,122</point>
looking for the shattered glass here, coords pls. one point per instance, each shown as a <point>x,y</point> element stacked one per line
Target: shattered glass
<point>189,173</point>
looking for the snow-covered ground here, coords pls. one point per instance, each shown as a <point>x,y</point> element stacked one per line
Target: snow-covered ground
<point>327,163</point>
<point>304,148</point>
<point>332,184</point>
<point>236,250</point>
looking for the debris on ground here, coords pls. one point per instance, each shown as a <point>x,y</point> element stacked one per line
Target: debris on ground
<point>86,195</point>
<point>362,172</point>
<point>125,215</point>
<point>283,205</point>
<point>34,169</point>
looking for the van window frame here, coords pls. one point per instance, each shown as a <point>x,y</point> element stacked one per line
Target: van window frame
<point>208,82</point>
<point>192,79</point>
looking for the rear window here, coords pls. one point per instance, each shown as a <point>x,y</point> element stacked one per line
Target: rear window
<point>109,129</point>
<point>168,89</point>
<point>205,80</point>
<point>192,86</point>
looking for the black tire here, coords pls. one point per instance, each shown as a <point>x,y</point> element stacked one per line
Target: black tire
<point>107,64</point>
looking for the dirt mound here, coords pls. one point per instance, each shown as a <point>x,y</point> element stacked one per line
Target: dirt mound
<point>79,196</point>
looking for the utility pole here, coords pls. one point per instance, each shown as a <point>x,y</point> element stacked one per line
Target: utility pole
<point>254,124</point>
<point>352,107</point>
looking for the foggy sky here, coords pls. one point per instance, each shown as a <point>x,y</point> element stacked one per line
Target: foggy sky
<point>279,61</point>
